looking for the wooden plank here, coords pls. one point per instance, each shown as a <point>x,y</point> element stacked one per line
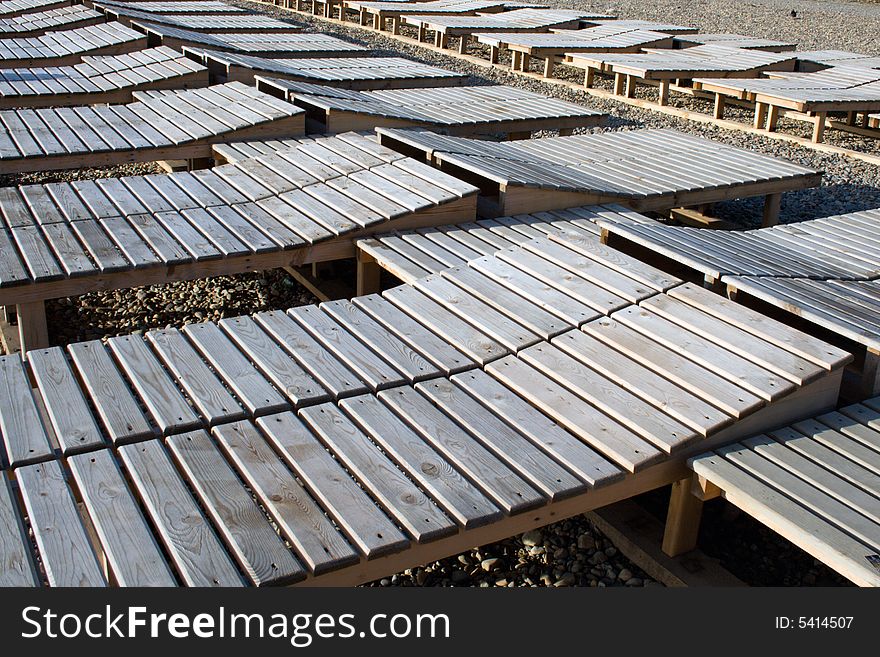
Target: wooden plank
<point>65,548</point>
<point>299,518</point>
<point>207,393</point>
<point>156,390</point>
<point>528,461</point>
<point>284,372</point>
<point>443,482</point>
<point>537,427</point>
<point>24,435</point>
<point>317,361</point>
<point>66,407</point>
<point>400,497</point>
<point>240,376</point>
<point>492,476</point>
<point>601,432</point>
<point>350,506</point>
<point>16,563</point>
<point>419,338</point>
<point>256,546</point>
<point>385,344</point>
<point>195,549</point>
<point>117,408</point>
<point>131,550</point>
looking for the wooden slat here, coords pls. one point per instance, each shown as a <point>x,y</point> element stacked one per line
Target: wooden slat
<point>196,551</point>
<point>253,542</point>
<point>117,409</point>
<point>65,549</point>
<point>16,563</point>
<point>24,435</point>
<point>300,519</point>
<point>131,550</point>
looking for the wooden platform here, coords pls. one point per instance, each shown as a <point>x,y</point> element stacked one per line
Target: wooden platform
<point>70,46</point>
<point>304,204</point>
<point>38,23</point>
<point>817,96</point>
<point>816,483</point>
<point>642,169</point>
<point>659,67</point>
<point>387,15</point>
<point>159,125</point>
<point>12,8</point>
<point>733,41</point>
<point>654,26</point>
<point>381,433</point>
<point>812,60</point>
<point>552,47</point>
<point>464,27</point>
<point>97,79</point>
<point>218,23</point>
<point>170,7</point>
<point>411,255</point>
<point>450,110</point>
<point>273,44</point>
<point>845,247</point>
<point>359,73</point>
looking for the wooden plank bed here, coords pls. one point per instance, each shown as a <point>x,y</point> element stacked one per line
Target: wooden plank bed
<point>653,26</point>
<point>272,44</point>
<point>355,73</point>
<point>552,47</point>
<point>12,8</point>
<point>661,67</point>
<point>411,255</point>
<point>38,23</point>
<point>450,110</point>
<point>733,41</point>
<point>305,203</point>
<point>815,60</point>
<point>816,483</point>
<point>380,14</point>
<point>70,46</point>
<point>844,247</point>
<point>464,27</point>
<point>159,125</point>
<point>214,24</point>
<point>169,7</point>
<point>642,169</point>
<point>109,79</point>
<point>395,429</point>
<point>818,96</point>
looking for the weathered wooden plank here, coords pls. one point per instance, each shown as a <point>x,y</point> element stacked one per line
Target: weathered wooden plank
<point>446,485</point>
<point>256,546</point>
<point>195,549</point>
<point>16,562</point>
<point>117,408</point>
<point>24,435</point>
<point>131,550</point>
<point>400,497</point>
<point>300,519</point>
<point>69,414</point>
<point>65,549</point>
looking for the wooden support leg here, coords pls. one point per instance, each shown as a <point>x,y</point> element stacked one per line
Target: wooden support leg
<point>851,118</point>
<point>819,127</point>
<point>364,17</point>
<point>368,274</point>
<point>772,118</point>
<point>32,330</point>
<point>395,25</point>
<point>772,203</point>
<point>549,62</point>
<point>682,519</point>
<point>423,33</point>
<point>720,101</point>
<point>588,77</point>
<point>463,44</point>
<point>494,52</point>
<point>630,86</point>
<point>760,115</point>
<point>525,134</point>
<point>619,81</point>
<point>663,95</point>
<point>515,56</point>
<point>377,22</point>
<point>524,62</point>
<point>566,132</point>
<point>442,40</point>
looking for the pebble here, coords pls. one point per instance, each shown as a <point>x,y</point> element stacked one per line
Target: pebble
<point>625,575</point>
<point>532,538</point>
<point>490,564</point>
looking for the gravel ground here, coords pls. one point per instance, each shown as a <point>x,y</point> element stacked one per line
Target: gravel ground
<point>571,552</point>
